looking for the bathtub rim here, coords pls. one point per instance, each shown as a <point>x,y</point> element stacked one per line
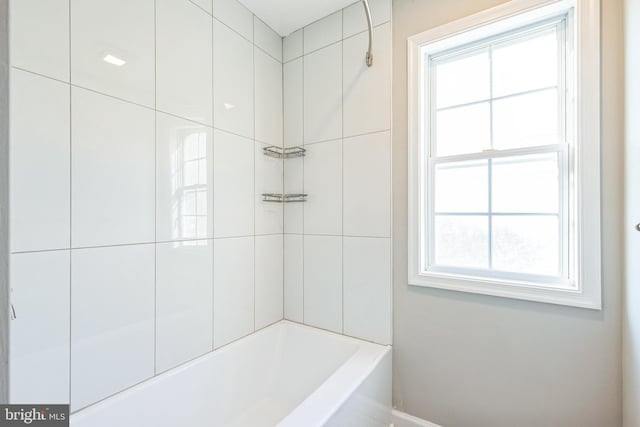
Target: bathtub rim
<point>368,355</point>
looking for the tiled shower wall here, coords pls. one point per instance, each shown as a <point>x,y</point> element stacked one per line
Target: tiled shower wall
<point>138,237</point>
<point>338,243</point>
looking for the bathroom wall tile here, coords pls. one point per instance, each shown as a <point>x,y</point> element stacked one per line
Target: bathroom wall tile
<point>184,301</point>
<point>233,158</point>
<point>323,282</point>
<point>40,163</point>
<point>233,93</point>
<point>268,99</point>
<point>94,36</point>
<point>268,179</point>
<point>267,39</point>
<point>39,348</point>
<point>293,277</point>
<point>323,32</point>
<point>233,289</point>
<point>235,15</point>
<point>294,184</point>
<point>323,184</point>
<point>293,103</point>
<point>367,90</point>
<point>367,185</point>
<point>292,45</point>
<point>367,288</point>
<point>184,60</point>
<point>40,37</point>
<point>205,5</point>
<point>112,320</point>
<point>269,277</point>
<point>355,19</point>
<point>113,182</point>
<point>184,179</point>
<point>323,94</point>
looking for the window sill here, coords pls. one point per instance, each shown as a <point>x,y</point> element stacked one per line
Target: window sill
<point>552,294</point>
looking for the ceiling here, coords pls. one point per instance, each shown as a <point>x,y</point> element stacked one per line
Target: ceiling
<point>286,16</point>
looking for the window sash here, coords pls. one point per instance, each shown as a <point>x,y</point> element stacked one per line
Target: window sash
<point>565,277</point>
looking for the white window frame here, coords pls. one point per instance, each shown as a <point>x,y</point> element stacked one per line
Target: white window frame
<point>584,288</point>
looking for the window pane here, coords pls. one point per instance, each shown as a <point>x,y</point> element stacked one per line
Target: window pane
<point>526,120</point>
<point>462,80</point>
<point>526,244</point>
<point>463,130</point>
<point>461,241</point>
<point>523,65</point>
<point>462,187</point>
<point>526,183</point>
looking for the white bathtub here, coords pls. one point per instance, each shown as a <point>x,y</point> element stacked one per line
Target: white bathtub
<point>287,375</point>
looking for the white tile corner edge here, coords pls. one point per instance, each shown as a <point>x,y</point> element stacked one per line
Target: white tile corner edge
<point>402,419</point>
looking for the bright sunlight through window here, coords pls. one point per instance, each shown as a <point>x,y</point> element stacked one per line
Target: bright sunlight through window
<point>499,151</point>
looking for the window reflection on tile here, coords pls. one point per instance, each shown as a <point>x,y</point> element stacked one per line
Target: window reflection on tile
<point>185,178</point>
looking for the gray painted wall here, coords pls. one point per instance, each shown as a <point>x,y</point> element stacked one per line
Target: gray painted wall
<point>4,201</point>
<point>464,360</point>
<point>632,297</point>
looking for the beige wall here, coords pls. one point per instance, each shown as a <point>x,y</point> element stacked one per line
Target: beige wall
<point>632,155</point>
<point>464,360</point>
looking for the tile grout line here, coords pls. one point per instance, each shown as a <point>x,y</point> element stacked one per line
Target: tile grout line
<point>253,153</point>
<point>213,181</point>
<point>283,176</point>
<point>155,186</point>
<point>342,162</point>
<point>303,181</point>
<point>70,209</point>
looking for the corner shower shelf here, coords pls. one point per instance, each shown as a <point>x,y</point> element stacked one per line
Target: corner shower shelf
<point>283,153</point>
<point>283,198</point>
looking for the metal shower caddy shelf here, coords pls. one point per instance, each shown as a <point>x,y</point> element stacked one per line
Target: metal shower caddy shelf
<point>283,153</point>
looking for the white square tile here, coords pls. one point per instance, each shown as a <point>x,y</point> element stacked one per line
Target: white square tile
<point>40,163</point>
<point>294,184</point>
<point>184,60</point>
<point>235,15</point>
<point>268,99</point>
<point>367,185</point>
<point>40,37</point>
<point>323,282</point>
<point>113,178</point>
<point>323,32</point>
<point>233,213</point>
<point>39,348</point>
<point>323,184</point>
<point>293,103</point>
<point>233,289</point>
<point>367,288</point>
<point>204,4</point>
<point>293,277</point>
<point>94,37</point>
<point>355,19</point>
<point>267,39</point>
<point>269,291</point>
<point>184,179</point>
<point>184,301</point>
<point>233,93</point>
<point>112,320</point>
<point>323,94</point>
<point>292,46</point>
<point>268,179</point>
<point>367,90</point>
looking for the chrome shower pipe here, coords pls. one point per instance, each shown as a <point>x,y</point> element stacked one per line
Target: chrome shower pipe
<point>367,11</point>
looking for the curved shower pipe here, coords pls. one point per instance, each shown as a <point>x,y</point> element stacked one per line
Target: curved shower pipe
<point>367,11</point>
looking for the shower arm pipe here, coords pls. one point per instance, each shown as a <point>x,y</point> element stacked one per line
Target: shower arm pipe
<point>367,11</point>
